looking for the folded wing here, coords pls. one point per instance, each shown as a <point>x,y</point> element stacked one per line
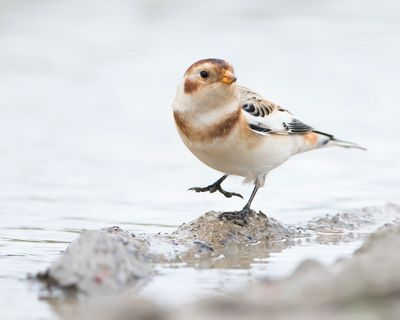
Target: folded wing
<point>265,117</point>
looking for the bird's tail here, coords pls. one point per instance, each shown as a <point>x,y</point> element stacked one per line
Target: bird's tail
<point>339,143</point>
<point>344,144</point>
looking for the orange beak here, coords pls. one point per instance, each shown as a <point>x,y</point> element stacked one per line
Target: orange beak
<point>228,77</point>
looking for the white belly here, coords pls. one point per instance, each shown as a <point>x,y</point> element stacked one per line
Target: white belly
<point>249,158</point>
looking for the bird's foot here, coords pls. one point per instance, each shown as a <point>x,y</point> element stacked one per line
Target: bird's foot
<point>216,187</point>
<point>237,217</point>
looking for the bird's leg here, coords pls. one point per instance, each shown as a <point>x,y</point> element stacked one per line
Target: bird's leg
<point>216,186</point>
<point>240,217</point>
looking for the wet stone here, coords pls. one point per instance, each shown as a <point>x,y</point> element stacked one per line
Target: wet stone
<point>100,262</point>
<point>356,288</point>
<point>221,233</point>
<point>365,286</point>
<point>112,261</point>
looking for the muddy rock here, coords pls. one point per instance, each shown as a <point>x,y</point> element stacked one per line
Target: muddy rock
<point>112,260</point>
<point>365,286</point>
<point>99,262</point>
<point>210,242</point>
<point>216,233</point>
<point>356,219</point>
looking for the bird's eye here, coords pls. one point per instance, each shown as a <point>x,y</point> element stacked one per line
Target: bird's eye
<point>204,74</point>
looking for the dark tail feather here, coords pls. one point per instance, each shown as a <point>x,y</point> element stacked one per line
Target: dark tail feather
<point>340,143</point>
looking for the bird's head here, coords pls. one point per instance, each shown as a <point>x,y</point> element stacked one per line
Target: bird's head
<point>208,82</point>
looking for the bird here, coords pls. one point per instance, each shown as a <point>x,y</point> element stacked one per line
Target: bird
<point>236,131</point>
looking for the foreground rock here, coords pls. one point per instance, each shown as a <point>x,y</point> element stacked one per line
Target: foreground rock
<point>100,262</point>
<point>111,260</point>
<point>218,233</point>
<point>366,286</point>
<point>211,242</point>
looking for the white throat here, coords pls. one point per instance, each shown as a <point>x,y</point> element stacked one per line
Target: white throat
<point>206,107</point>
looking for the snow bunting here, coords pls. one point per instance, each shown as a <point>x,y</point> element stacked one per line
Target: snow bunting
<point>236,131</point>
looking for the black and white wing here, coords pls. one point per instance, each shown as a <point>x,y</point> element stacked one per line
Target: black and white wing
<point>265,117</point>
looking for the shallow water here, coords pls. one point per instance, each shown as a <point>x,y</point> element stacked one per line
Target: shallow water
<point>88,139</point>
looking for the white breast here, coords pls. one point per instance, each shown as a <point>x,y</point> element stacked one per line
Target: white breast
<point>237,156</point>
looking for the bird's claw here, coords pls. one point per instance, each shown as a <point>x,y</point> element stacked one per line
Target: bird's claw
<point>213,187</point>
<point>237,217</point>
<point>229,194</point>
<point>199,189</point>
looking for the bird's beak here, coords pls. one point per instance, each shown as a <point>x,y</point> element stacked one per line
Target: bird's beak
<point>228,77</point>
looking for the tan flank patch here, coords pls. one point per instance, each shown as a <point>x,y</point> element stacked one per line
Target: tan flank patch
<point>207,133</point>
<point>247,135</point>
<point>311,138</point>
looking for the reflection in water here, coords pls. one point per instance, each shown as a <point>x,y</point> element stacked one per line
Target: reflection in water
<point>88,139</point>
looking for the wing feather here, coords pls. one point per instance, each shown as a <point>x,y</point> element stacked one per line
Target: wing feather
<point>265,117</point>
